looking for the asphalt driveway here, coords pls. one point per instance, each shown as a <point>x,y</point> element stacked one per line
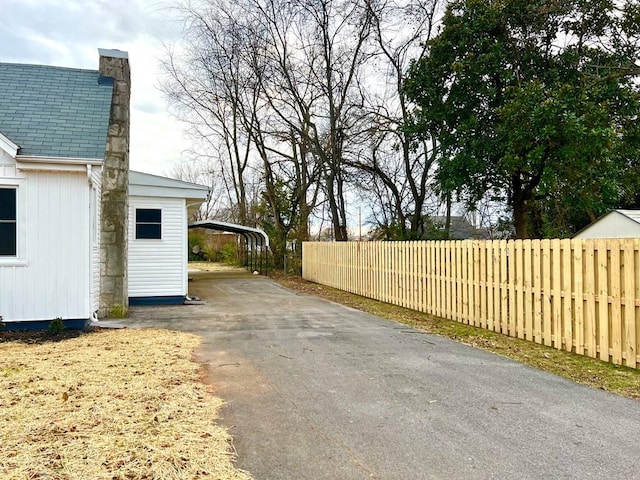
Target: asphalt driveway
<point>316,390</point>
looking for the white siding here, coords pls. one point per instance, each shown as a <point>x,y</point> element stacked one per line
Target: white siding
<point>7,166</point>
<point>51,277</point>
<point>159,267</point>
<point>612,225</point>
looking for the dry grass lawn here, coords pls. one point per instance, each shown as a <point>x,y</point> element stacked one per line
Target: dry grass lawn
<point>215,267</point>
<point>114,404</point>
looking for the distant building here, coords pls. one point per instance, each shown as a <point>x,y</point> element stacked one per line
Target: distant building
<point>460,228</point>
<point>615,224</point>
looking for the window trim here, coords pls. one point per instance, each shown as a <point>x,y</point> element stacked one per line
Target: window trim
<point>20,259</point>
<point>11,221</point>
<point>136,223</point>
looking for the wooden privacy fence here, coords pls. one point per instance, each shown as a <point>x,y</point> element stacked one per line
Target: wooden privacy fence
<point>575,295</point>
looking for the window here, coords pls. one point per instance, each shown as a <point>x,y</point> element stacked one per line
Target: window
<point>8,222</point>
<point>148,223</point>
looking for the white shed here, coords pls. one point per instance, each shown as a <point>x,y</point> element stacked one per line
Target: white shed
<point>159,210</point>
<point>615,224</point>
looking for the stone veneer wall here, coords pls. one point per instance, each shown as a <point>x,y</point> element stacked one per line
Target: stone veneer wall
<point>114,296</point>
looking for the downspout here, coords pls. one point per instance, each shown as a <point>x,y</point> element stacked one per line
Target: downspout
<point>93,316</point>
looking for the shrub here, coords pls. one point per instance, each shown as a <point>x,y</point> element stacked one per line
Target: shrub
<point>56,326</point>
<point>229,254</point>
<point>196,246</point>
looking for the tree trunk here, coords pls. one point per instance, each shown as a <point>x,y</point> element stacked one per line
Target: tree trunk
<point>447,220</point>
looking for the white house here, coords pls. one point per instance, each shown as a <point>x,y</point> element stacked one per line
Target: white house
<point>57,129</point>
<point>615,224</point>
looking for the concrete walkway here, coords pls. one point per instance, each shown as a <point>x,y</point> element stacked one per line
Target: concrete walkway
<point>319,391</point>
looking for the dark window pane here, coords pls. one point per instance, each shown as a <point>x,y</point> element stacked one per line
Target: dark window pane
<point>7,204</point>
<point>8,239</point>
<point>148,215</point>
<point>148,230</point>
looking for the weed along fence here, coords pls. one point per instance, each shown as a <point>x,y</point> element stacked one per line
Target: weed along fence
<point>575,295</point>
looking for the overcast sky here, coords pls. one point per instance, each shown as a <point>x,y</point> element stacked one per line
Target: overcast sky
<point>68,33</point>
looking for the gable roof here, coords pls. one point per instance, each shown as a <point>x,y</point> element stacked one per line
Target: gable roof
<point>614,224</point>
<point>460,228</point>
<point>630,214</point>
<point>54,111</point>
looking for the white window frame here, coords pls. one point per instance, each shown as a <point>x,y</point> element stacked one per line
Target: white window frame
<point>20,259</point>
<point>135,224</point>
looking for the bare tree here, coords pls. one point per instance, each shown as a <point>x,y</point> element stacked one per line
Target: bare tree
<point>309,68</point>
<point>295,102</point>
<point>401,30</point>
<point>199,171</point>
<point>207,83</point>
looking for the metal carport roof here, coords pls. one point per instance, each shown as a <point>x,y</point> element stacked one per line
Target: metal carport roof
<point>254,236</point>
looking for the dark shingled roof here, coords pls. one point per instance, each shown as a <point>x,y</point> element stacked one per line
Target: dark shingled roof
<point>54,111</point>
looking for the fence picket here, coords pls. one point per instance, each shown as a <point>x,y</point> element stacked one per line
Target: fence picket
<point>519,288</point>
<point>482,280</point>
<point>615,319</point>
<point>577,274</point>
<point>489,286</point>
<point>527,290</point>
<point>464,265</point>
<point>442,274</point>
<point>589,284</point>
<point>416,275</point>
<point>556,285</point>
<point>476,283</point>
<point>547,336</point>
<point>504,288</point>
<point>629,325</point>
<point>567,300</point>
<point>457,292</point>
<point>635,338</point>
<point>603,299</point>
<point>536,287</point>
<point>450,266</point>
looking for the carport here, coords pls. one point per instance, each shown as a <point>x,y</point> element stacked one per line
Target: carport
<point>256,242</point>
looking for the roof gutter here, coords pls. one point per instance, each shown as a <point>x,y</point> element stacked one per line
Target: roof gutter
<point>59,160</point>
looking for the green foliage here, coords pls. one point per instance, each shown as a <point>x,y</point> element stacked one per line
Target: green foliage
<point>391,232</point>
<point>215,249</point>
<point>229,254</point>
<point>435,231</point>
<point>429,230</point>
<point>197,246</point>
<point>56,326</point>
<point>541,123</point>
<point>278,211</point>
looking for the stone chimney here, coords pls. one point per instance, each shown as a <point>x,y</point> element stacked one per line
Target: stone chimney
<point>114,292</point>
